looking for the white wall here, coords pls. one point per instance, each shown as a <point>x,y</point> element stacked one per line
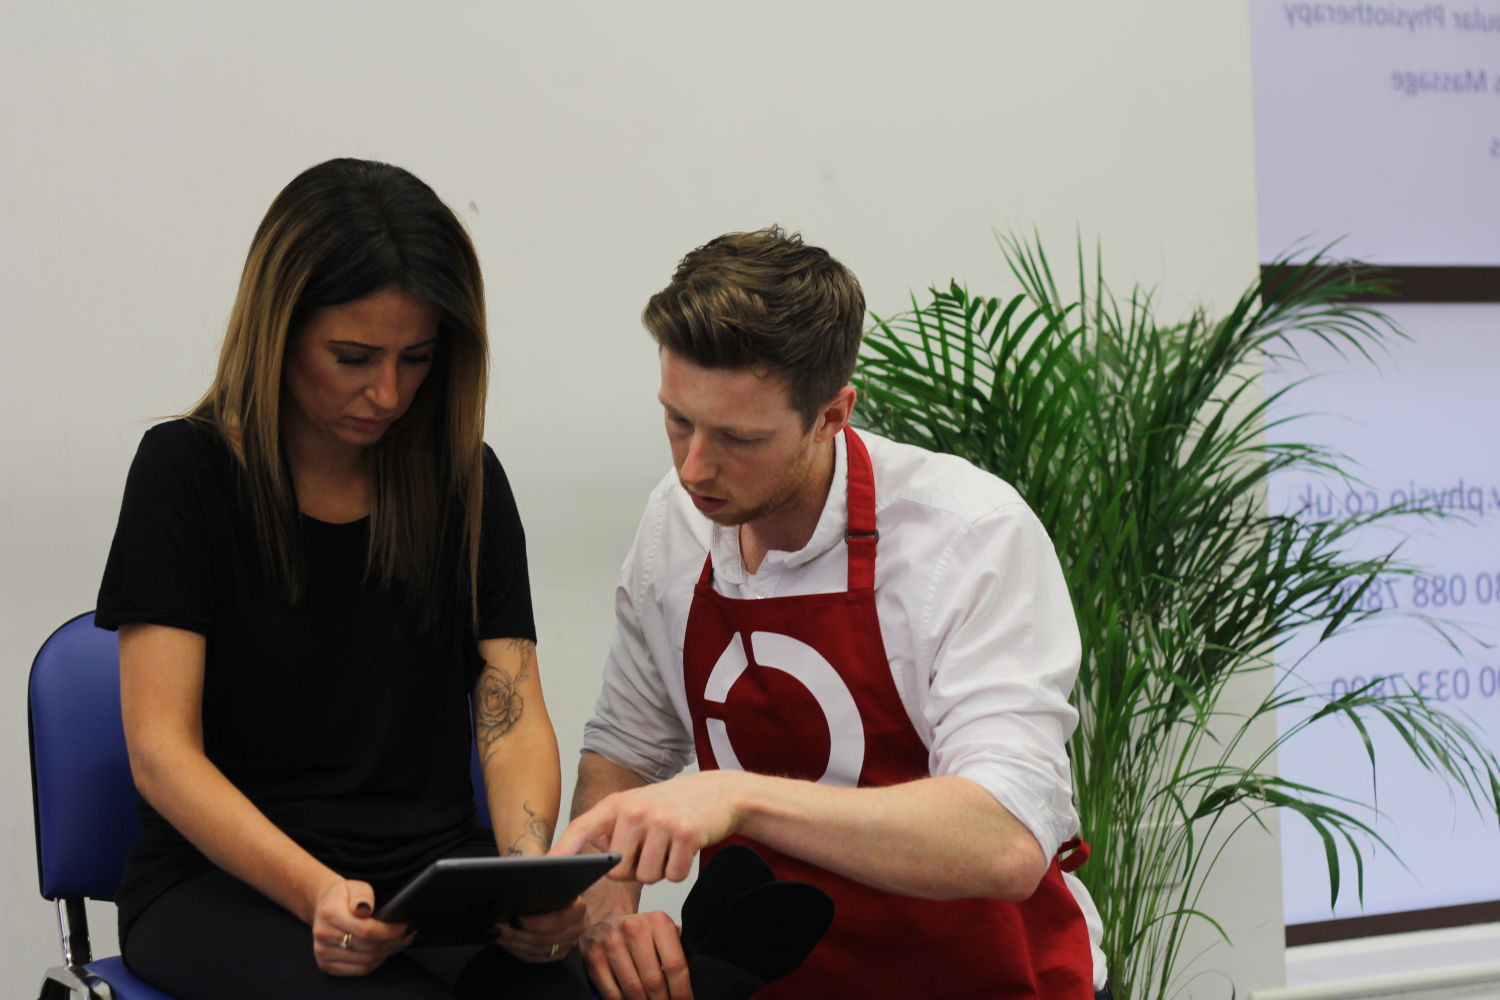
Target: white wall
<point>587,146</point>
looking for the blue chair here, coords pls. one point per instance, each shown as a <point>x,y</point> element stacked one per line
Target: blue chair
<point>84,801</point>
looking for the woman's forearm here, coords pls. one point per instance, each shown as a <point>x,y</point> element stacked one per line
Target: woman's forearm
<point>517,748</point>
<point>161,690</point>
<point>523,787</point>
<point>216,817</point>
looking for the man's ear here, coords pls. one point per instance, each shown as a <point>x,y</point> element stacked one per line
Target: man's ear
<point>835,415</point>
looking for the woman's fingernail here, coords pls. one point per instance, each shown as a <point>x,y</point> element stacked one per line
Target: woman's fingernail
<point>363,909</point>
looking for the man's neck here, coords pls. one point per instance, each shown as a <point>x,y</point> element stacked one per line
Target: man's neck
<point>790,527</point>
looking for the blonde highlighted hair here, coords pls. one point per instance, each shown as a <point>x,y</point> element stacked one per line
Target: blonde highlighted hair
<point>340,231</point>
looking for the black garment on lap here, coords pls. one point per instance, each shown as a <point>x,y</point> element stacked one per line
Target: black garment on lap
<point>211,937</point>
<point>341,717</point>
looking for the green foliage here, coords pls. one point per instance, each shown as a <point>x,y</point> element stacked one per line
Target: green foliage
<point>1140,445</point>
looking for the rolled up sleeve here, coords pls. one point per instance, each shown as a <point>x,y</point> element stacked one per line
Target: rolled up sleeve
<point>1004,656</point>
<point>635,723</point>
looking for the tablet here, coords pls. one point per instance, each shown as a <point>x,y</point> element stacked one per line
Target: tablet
<point>461,900</point>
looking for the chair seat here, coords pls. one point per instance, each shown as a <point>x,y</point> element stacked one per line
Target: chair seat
<point>122,982</point>
<point>108,977</point>
<point>125,986</point>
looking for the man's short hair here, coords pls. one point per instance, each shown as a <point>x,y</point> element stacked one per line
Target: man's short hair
<point>764,300</point>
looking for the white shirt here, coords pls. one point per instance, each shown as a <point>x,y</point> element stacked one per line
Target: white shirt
<point>974,613</point>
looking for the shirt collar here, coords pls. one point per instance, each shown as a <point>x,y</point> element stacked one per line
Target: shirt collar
<point>833,522</point>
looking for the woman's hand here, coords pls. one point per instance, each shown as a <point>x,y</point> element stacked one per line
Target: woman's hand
<point>546,937</point>
<point>347,940</point>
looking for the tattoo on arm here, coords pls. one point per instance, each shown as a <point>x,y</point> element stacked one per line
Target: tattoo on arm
<point>536,830</point>
<point>498,704</point>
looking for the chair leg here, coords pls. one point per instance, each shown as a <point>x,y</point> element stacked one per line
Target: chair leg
<point>73,983</point>
<point>57,987</point>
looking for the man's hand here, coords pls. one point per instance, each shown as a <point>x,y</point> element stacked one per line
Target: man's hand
<point>636,955</point>
<point>659,829</point>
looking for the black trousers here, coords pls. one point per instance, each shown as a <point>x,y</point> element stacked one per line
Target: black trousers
<point>212,937</point>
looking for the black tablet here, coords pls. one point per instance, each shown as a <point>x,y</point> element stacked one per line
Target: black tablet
<point>461,900</point>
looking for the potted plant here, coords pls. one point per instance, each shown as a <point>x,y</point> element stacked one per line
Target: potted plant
<point>1139,444</point>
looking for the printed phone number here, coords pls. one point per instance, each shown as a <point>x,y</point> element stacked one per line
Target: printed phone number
<point>1458,684</point>
<point>1435,590</point>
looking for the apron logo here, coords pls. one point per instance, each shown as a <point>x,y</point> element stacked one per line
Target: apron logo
<point>774,651</point>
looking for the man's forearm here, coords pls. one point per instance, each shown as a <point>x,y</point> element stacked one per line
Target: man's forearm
<point>599,777</point>
<point>937,838</point>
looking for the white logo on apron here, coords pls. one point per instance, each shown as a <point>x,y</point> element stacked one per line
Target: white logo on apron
<point>846,733</point>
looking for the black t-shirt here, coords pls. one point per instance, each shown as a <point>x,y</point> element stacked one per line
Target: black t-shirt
<point>341,717</point>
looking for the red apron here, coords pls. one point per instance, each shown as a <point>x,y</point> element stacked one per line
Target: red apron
<point>800,686</point>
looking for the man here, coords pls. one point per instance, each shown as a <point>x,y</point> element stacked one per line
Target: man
<point>868,646</point>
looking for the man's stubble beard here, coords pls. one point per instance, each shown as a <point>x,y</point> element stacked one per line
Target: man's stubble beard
<point>789,492</point>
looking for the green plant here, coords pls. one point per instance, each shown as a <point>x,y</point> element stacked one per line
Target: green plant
<point>1140,446</point>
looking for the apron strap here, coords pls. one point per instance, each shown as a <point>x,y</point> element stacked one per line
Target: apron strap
<point>861,534</point>
<point>1072,854</point>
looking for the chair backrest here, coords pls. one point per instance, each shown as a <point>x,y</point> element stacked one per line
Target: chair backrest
<point>82,793</point>
<point>83,797</point>
<point>476,781</point>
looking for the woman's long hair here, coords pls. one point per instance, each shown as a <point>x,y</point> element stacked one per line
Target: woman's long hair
<point>338,232</point>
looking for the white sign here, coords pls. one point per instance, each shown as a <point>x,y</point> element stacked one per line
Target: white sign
<point>1418,431</point>
<point>1379,123</point>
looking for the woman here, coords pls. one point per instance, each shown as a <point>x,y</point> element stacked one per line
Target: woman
<point>312,572</point>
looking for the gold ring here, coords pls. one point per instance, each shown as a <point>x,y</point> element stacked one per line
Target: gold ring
<point>554,951</point>
<point>346,940</point>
